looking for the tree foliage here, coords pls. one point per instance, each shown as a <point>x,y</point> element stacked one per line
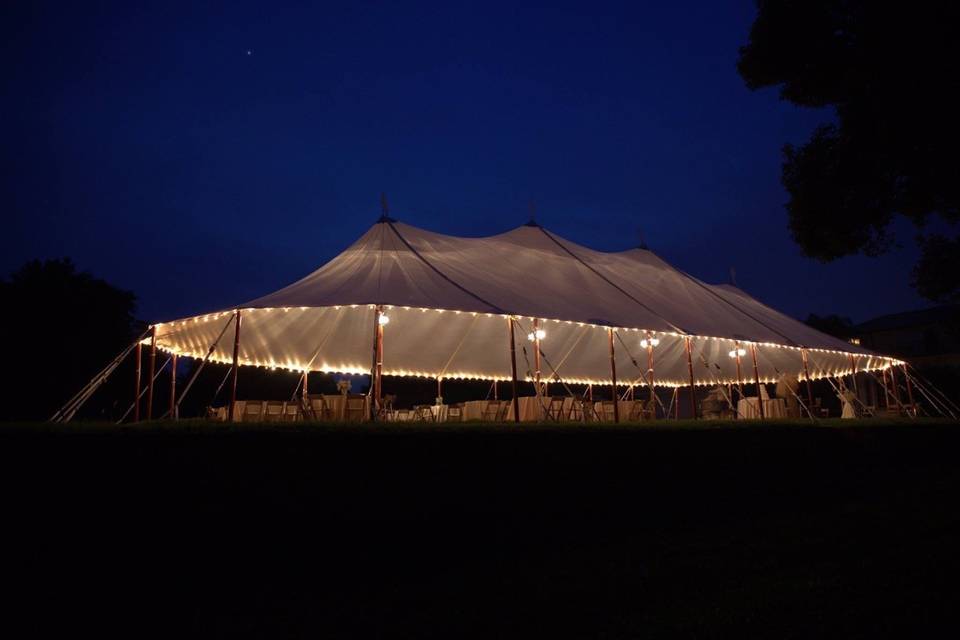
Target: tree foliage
<point>888,70</point>
<point>60,327</point>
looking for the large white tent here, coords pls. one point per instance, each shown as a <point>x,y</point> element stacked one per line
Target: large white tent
<point>448,301</point>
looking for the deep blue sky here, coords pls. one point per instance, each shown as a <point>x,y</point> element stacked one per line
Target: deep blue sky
<point>147,144</point>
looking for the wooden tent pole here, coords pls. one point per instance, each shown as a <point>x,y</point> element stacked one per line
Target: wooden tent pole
<point>152,367</point>
<point>693,395</point>
<point>756,377</point>
<point>896,388</point>
<point>913,407</point>
<point>376,371</point>
<point>653,395</point>
<point>853,375</point>
<point>736,351</point>
<point>236,367</point>
<point>513,371</point>
<point>806,375</point>
<point>136,393</point>
<point>613,376</point>
<point>536,355</point>
<point>172,414</point>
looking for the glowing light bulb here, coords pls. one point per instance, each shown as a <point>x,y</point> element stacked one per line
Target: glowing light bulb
<point>737,352</point>
<point>383,319</point>
<point>649,342</point>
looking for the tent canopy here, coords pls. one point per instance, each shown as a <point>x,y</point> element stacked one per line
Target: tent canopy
<point>448,300</point>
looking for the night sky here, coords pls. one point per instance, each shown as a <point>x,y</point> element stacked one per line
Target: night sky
<point>203,156</point>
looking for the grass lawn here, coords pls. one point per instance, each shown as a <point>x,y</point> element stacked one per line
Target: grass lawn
<point>680,529</point>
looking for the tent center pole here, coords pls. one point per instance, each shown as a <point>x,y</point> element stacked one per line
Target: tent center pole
<point>233,373</point>
<point>172,414</point>
<point>653,394</point>
<point>693,396</point>
<point>736,349</point>
<point>513,370</point>
<point>853,375</point>
<point>152,368</point>
<point>806,376</point>
<point>913,408</point>
<point>756,377</point>
<point>613,376</point>
<point>377,369</point>
<point>136,396</point>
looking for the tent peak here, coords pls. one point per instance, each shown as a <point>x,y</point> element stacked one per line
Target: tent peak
<point>385,218</point>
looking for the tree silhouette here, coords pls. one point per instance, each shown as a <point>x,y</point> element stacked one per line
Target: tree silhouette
<point>59,328</point>
<point>888,71</point>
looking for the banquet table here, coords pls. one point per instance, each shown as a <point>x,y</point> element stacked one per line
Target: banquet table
<point>749,408</point>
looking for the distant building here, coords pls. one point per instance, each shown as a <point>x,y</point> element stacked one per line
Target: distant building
<point>925,338</point>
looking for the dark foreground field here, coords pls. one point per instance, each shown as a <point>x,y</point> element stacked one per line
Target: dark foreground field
<point>770,531</point>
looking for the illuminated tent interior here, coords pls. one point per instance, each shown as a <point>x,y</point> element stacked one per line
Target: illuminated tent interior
<point>446,303</point>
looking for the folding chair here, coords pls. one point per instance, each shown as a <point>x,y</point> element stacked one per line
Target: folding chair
<point>317,408</point>
<point>273,411</point>
<point>252,411</point>
<point>455,413</point>
<point>423,413</point>
<point>356,408</point>
<point>491,412</point>
<point>291,412</point>
<point>401,415</point>
<point>555,408</point>
<point>607,410</point>
<point>386,407</point>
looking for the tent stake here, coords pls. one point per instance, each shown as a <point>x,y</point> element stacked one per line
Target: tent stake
<point>806,375</point>
<point>152,367</point>
<point>173,386</point>
<point>613,377</point>
<point>513,369</point>
<point>236,368</point>
<point>693,395</point>
<point>756,377</point>
<point>136,396</point>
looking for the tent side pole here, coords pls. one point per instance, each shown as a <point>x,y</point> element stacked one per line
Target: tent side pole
<point>613,376</point>
<point>236,368</point>
<point>806,376</point>
<point>136,396</point>
<point>756,377</point>
<point>173,387</point>
<point>913,407</point>
<point>693,395</point>
<point>152,367</point>
<point>513,370</point>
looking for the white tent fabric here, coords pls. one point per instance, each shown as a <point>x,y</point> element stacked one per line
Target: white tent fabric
<point>448,300</point>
